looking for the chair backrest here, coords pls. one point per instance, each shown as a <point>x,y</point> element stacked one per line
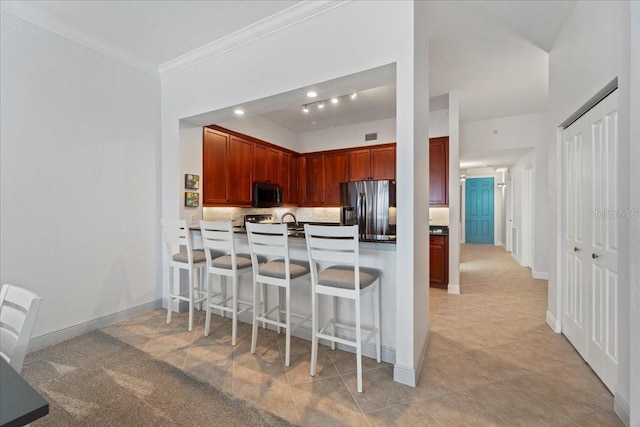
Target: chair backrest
<point>18,311</point>
<point>333,244</point>
<point>177,239</point>
<point>217,239</point>
<point>268,239</point>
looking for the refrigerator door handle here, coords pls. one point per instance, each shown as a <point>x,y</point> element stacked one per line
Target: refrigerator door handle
<point>362,202</point>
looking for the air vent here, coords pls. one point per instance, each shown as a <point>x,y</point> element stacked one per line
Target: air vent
<point>371,136</point>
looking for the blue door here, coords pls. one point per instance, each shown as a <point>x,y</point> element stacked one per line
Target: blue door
<point>479,211</point>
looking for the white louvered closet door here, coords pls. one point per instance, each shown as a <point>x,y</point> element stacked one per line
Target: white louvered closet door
<point>590,308</point>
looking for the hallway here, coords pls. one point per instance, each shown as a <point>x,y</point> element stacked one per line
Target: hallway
<point>491,360</point>
<point>492,348</point>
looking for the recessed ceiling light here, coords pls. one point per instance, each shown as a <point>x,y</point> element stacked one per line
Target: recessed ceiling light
<point>354,95</point>
<point>239,112</point>
<point>305,109</point>
<point>311,94</point>
<point>321,105</point>
<point>334,100</point>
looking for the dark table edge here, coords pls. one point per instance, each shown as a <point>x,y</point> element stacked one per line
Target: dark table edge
<point>29,417</point>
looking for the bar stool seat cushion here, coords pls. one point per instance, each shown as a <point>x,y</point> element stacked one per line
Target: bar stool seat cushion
<point>343,276</point>
<point>198,256</point>
<point>276,268</point>
<point>242,261</point>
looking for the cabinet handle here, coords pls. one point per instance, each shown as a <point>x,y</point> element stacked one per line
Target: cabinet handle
<point>594,256</point>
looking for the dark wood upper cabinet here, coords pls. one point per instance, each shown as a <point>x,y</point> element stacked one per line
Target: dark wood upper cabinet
<point>439,171</point>
<point>215,181</point>
<point>314,180</point>
<point>377,162</point>
<point>259,163</point>
<point>359,164</point>
<point>226,169</point>
<point>336,170</point>
<point>284,175</point>
<point>239,170</point>
<point>294,174</point>
<point>273,165</point>
<point>383,162</point>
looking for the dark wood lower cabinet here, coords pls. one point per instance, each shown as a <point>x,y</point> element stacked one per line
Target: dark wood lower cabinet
<point>439,261</point>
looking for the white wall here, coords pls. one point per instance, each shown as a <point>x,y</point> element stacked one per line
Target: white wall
<point>592,50</point>
<point>347,136</point>
<point>363,35</point>
<point>439,123</point>
<point>263,129</point>
<point>522,131</point>
<point>190,163</point>
<point>79,176</point>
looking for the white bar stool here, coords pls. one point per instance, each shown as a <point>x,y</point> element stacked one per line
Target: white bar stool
<point>18,311</point>
<point>182,256</point>
<point>222,260</point>
<point>340,245</point>
<point>272,240</point>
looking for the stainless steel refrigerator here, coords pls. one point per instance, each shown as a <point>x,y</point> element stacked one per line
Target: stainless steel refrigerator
<point>367,203</point>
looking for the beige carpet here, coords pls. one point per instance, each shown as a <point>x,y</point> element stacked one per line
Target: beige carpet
<point>96,380</point>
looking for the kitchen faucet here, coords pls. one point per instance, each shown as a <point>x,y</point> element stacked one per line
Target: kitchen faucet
<point>292,216</point>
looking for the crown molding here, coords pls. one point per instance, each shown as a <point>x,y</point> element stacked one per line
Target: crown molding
<point>50,23</point>
<point>291,16</point>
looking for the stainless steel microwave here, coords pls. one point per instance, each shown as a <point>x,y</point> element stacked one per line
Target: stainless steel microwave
<point>266,195</point>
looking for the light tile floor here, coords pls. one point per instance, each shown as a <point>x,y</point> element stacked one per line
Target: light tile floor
<point>491,360</point>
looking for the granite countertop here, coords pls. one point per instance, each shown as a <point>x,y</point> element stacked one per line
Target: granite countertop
<point>438,230</point>
<point>298,232</point>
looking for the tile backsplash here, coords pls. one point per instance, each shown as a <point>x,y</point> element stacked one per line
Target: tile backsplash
<point>439,216</point>
<point>302,214</point>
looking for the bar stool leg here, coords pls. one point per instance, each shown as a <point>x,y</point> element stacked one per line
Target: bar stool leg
<point>207,322</point>
<point>376,318</point>
<point>234,315</point>
<point>171,290</point>
<point>334,318</point>
<point>191,289</point>
<point>254,329</point>
<point>314,332</point>
<point>358,345</point>
<point>287,356</point>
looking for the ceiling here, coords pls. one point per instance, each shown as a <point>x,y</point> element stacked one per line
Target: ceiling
<point>493,159</point>
<point>159,31</point>
<point>494,54</point>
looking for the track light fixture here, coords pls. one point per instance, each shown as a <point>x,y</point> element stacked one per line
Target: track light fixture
<point>323,102</point>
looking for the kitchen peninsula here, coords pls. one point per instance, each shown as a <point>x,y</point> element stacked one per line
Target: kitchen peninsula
<point>380,255</point>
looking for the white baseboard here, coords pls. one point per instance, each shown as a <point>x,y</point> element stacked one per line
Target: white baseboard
<point>55,337</point>
<point>622,410</point>
<point>404,375</point>
<point>453,289</point>
<point>499,244</point>
<point>516,259</point>
<point>553,322</point>
<point>540,275</point>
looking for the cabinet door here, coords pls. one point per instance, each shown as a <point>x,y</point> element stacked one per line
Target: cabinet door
<point>294,174</point>
<point>214,167</point>
<point>437,262</point>
<point>383,163</point>
<point>438,171</point>
<point>359,164</point>
<point>259,163</point>
<point>273,165</point>
<point>283,178</point>
<point>314,180</point>
<point>240,156</point>
<point>335,172</point>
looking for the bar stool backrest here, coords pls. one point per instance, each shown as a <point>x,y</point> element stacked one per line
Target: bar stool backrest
<point>18,311</point>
